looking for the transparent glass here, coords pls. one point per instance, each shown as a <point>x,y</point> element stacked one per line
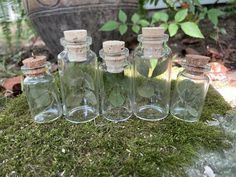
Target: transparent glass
<point>42,97</point>
<point>151,78</point>
<point>189,95</point>
<point>79,85</point>
<point>116,88</point>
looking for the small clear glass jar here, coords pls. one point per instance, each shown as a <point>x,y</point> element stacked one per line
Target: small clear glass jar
<point>78,76</point>
<point>191,88</point>
<point>116,85</point>
<point>41,91</point>
<point>152,75</point>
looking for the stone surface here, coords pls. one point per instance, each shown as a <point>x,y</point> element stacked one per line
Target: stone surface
<point>222,163</point>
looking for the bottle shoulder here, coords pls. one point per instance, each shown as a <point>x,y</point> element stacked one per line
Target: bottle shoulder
<point>90,56</point>
<point>39,79</point>
<point>165,51</point>
<point>192,76</point>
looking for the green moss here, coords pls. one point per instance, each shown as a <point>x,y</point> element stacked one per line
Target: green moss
<point>133,148</point>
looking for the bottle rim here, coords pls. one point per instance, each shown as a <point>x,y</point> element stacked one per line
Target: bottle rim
<point>124,52</point>
<point>163,38</point>
<point>194,68</point>
<point>65,43</point>
<point>46,67</point>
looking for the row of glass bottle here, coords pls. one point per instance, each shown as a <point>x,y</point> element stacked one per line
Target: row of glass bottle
<point>117,87</point>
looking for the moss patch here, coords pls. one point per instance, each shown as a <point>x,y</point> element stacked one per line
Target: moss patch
<point>133,148</point>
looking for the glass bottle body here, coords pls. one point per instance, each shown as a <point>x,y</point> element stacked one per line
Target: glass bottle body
<point>189,95</point>
<point>42,97</point>
<point>116,91</point>
<point>79,87</point>
<point>152,79</point>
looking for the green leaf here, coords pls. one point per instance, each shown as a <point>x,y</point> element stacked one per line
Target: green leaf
<point>90,96</point>
<point>164,25</point>
<point>223,31</point>
<point>156,17</point>
<point>135,18</point>
<point>181,15</point>
<point>197,3</point>
<point>44,100</point>
<point>189,91</point>
<point>192,111</point>
<point>122,16</point>
<point>109,26</point>
<point>173,28</point>
<point>88,82</point>
<point>143,23</point>
<point>136,28</point>
<point>160,16</point>
<point>153,62</point>
<point>146,90</point>
<point>191,29</point>
<point>115,98</point>
<point>123,29</point>
<point>72,100</point>
<point>143,67</point>
<point>203,13</point>
<point>164,17</point>
<point>213,15</point>
<point>160,68</point>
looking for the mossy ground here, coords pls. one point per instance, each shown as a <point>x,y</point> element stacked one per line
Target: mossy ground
<point>133,148</point>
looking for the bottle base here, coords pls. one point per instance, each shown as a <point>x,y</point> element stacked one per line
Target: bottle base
<point>184,120</point>
<point>151,113</point>
<point>81,114</point>
<point>120,114</point>
<point>181,114</point>
<point>47,116</point>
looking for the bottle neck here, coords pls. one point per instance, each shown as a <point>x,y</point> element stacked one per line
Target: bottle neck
<point>115,62</point>
<point>196,70</point>
<point>37,71</point>
<point>153,47</point>
<point>77,51</point>
<point>194,73</point>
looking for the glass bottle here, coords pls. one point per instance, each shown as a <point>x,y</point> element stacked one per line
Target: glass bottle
<point>78,76</point>
<point>115,71</point>
<point>191,88</point>
<point>40,90</point>
<point>152,69</point>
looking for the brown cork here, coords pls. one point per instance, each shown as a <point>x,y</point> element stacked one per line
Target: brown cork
<point>74,36</point>
<point>151,32</point>
<point>111,47</point>
<point>35,72</point>
<point>35,66</point>
<point>197,60</point>
<point>34,62</point>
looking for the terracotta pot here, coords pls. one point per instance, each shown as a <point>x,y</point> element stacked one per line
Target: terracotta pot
<point>51,17</point>
<point>12,86</point>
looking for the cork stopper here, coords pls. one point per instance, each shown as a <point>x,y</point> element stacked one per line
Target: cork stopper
<point>74,36</point>
<point>197,60</point>
<point>114,56</point>
<point>113,46</point>
<point>152,32</point>
<point>76,46</point>
<point>153,39</point>
<point>34,65</point>
<point>34,62</point>
<point>197,63</point>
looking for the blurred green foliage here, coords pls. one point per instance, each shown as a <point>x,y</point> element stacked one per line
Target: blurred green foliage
<point>182,15</point>
<point>15,31</point>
